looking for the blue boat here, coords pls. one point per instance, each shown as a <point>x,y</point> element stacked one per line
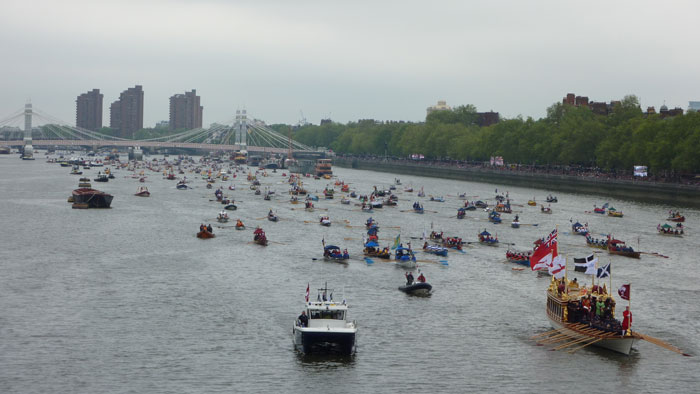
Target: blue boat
<point>405,257</point>
<point>417,208</point>
<point>435,249</point>
<point>332,252</point>
<point>461,212</point>
<point>495,217</point>
<point>486,238</point>
<point>579,229</point>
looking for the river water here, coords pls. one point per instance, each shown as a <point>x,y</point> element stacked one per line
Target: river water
<point>128,300</point>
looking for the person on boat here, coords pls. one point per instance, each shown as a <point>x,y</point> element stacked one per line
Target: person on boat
<point>626,320</point>
<point>209,228</point>
<point>586,305</point>
<point>201,227</point>
<point>599,307</point>
<point>239,223</point>
<point>421,278</point>
<point>409,278</point>
<point>425,245</point>
<point>303,319</point>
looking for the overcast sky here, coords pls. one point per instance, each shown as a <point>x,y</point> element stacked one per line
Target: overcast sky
<point>347,60</point>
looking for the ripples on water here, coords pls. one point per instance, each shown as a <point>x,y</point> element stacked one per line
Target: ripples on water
<point>128,300</point>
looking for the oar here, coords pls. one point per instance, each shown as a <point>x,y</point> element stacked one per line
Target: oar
<point>654,254</point>
<point>442,262</point>
<point>659,342</point>
<point>545,333</point>
<point>574,350</point>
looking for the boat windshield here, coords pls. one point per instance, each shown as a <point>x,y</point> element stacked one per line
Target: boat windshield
<point>335,315</point>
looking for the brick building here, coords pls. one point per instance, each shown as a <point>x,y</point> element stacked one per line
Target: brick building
<point>185,111</point>
<point>88,110</point>
<point>126,114</point>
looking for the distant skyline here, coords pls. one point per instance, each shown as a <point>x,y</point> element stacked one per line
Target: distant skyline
<point>383,60</point>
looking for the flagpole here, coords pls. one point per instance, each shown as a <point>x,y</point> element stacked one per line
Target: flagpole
<point>629,305</point>
<point>610,275</point>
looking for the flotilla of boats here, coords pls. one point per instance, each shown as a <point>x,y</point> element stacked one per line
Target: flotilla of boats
<point>324,323</point>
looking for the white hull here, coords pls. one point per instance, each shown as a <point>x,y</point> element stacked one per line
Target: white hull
<point>620,345</point>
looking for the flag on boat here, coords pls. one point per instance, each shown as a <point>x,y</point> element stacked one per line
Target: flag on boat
<point>604,272</point>
<point>605,205</point>
<point>545,253</point>
<point>558,267</point>
<point>307,292</point>
<point>586,264</point>
<point>397,242</point>
<point>624,292</point>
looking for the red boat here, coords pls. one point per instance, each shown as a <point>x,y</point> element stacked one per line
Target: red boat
<point>205,234</point>
<point>259,237</point>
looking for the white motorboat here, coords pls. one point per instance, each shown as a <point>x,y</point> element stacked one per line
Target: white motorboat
<point>324,326</point>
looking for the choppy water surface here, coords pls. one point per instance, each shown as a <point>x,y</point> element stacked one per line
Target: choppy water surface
<point>129,300</point>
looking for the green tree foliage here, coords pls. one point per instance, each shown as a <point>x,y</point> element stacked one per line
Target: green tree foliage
<point>566,136</point>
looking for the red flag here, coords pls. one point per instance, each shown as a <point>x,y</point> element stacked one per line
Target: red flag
<point>544,254</point>
<point>307,292</point>
<point>624,292</point>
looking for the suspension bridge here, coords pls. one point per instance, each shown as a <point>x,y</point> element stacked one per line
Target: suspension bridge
<point>240,133</point>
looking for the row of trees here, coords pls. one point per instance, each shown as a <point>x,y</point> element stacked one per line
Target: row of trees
<point>566,136</point>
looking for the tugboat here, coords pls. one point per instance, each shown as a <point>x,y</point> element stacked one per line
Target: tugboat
<point>323,326</point>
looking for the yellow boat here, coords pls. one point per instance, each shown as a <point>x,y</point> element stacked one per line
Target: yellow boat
<point>531,203</point>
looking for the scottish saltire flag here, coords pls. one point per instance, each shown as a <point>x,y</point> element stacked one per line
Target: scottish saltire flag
<point>604,272</point>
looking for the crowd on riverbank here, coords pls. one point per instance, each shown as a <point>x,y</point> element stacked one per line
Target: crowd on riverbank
<point>576,171</point>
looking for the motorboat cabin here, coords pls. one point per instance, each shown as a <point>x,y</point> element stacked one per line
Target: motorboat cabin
<point>324,327</point>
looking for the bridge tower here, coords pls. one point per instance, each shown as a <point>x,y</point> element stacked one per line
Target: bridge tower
<point>28,148</point>
<point>240,128</point>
